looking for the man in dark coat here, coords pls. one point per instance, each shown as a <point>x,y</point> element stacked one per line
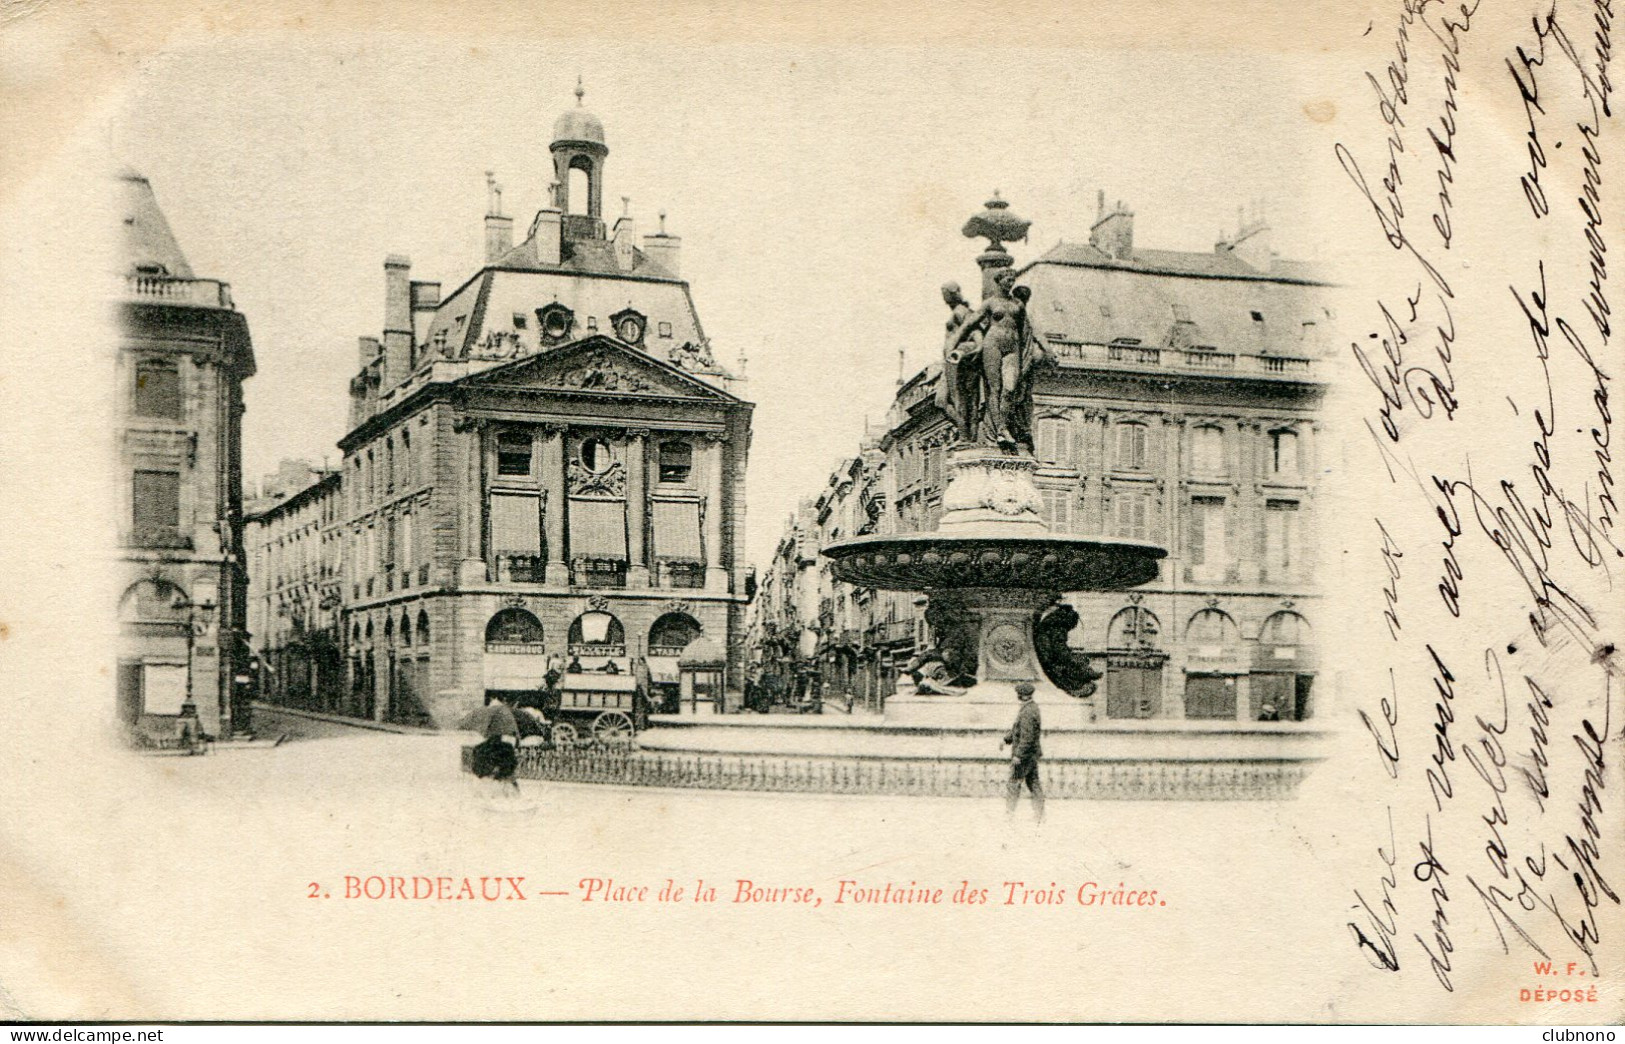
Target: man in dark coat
<point>1025,750</point>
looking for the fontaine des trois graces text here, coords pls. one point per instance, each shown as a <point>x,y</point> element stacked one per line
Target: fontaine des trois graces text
<point>607,891</point>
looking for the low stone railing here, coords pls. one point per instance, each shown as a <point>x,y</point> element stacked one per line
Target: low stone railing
<point>1127,779</point>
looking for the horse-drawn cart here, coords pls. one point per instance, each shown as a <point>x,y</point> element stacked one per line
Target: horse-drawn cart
<point>596,707</point>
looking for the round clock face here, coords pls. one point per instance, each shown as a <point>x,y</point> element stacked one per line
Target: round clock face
<point>630,330</point>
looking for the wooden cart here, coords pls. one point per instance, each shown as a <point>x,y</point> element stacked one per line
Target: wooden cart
<point>596,707</point>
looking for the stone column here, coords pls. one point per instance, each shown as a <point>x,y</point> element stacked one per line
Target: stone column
<point>716,574</point>
<point>470,509</point>
<point>637,506</point>
<point>557,570</point>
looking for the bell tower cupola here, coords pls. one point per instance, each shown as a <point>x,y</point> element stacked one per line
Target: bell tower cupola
<point>578,167</point>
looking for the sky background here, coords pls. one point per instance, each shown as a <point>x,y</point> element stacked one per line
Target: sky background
<point>819,192</point>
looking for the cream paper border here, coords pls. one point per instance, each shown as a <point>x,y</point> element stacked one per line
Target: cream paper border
<point>136,890</point>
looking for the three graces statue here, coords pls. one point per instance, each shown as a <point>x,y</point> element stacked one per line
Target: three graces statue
<point>989,360</point>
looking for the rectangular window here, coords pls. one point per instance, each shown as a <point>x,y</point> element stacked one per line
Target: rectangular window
<point>592,324</point>
<point>404,545</point>
<point>1058,510</point>
<point>1208,554</point>
<point>516,524</point>
<point>665,330</point>
<point>513,453</point>
<point>158,389</point>
<point>1207,451</point>
<point>1284,453</point>
<point>1132,446</point>
<point>156,503</point>
<point>1130,515</point>
<point>676,461</point>
<point>1052,442</point>
<point>1281,536</point>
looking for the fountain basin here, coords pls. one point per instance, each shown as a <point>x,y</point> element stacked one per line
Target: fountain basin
<point>994,557</point>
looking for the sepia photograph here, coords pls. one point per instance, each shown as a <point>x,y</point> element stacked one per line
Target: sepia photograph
<point>739,514</point>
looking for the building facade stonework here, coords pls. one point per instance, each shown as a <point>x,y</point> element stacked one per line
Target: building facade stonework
<point>543,464</point>
<point>184,351</point>
<point>1183,410</point>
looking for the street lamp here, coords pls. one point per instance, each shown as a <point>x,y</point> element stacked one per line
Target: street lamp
<point>198,617</point>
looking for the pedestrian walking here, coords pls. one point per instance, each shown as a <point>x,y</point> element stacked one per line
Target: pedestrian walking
<point>1024,740</point>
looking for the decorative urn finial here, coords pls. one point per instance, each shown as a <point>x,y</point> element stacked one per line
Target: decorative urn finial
<point>997,223</point>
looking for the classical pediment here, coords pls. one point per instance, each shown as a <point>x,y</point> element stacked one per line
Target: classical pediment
<point>599,365</point>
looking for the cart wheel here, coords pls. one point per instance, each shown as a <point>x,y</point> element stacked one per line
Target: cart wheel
<point>565,736</point>
<point>612,729</point>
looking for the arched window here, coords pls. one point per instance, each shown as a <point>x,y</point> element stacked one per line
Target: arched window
<point>423,627</point>
<point>389,631</point>
<point>389,465</point>
<point>1207,450</point>
<point>153,601</point>
<point>676,461</point>
<point>1135,627</point>
<point>579,190</point>
<point>1211,627</point>
<point>671,634</point>
<point>368,633</point>
<point>597,628</point>
<point>1284,628</point>
<point>513,627</point>
<point>406,631</point>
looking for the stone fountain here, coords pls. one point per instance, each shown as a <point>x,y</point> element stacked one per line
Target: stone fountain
<point>992,566</point>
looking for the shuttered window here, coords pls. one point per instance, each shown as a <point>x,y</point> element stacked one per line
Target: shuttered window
<point>1053,442</point>
<point>1130,515</point>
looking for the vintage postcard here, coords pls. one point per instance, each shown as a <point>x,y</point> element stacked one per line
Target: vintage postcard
<point>894,512</point>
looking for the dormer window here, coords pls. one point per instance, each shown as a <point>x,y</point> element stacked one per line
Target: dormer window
<point>629,325</point>
<point>554,321</point>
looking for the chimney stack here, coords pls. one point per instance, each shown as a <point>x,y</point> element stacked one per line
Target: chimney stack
<point>498,229</point>
<point>665,250</point>
<point>548,228</point>
<point>397,321</point>
<point>1252,243</point>
<point>1113,233</point>
<point>624,236</point>
<point>425,300</point>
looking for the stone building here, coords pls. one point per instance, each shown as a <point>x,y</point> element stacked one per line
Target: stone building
<point>546,461</point>
<point>294,561</point>
<point>1183,411</point>
<point>184,352</point>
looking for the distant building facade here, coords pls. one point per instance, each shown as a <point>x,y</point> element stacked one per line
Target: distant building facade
<point>545,463</point>
<point>1184,410</point>
<point>293,545</point>
<point>184,351</point>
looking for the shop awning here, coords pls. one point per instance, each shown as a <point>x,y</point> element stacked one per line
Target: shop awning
<point>677,530</point>
<point>516,523</point>
<point>597,528</point>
